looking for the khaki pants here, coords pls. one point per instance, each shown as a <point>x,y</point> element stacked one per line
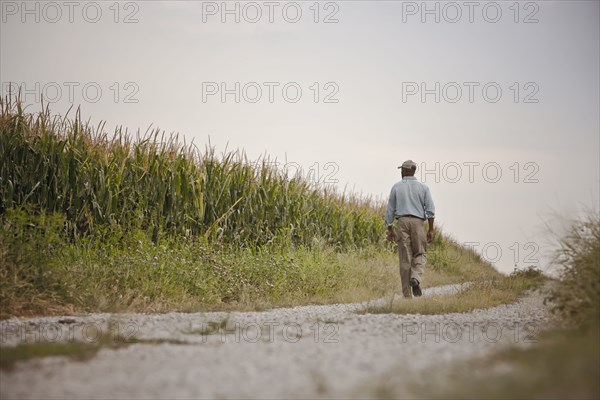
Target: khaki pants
<point>412,248</point>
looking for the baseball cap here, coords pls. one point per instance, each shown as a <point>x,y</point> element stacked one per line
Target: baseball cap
<point>409,164</point>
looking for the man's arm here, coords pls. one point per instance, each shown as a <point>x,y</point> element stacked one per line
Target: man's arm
<point>391,209</point>
<point>430,214</point>
<point>430,231</point>
<point>389,216</point>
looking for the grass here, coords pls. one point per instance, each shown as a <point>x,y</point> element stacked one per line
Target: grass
<point>448,262</point>
<point>476,295</point>
<point>119,271</point>
<point>577,299</point>
<point>78,351</point>
<point>135,274</point>
<point>75,350</point>
<point>213,327</point>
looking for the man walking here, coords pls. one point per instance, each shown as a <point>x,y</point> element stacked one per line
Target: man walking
<point>411,204</point>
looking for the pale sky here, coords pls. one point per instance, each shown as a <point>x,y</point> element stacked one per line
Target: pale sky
<point>514,131</point>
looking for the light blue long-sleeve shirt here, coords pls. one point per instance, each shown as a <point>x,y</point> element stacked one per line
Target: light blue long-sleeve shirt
<point>409,197</point>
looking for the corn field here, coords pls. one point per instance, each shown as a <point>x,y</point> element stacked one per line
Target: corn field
<point>156,184</point>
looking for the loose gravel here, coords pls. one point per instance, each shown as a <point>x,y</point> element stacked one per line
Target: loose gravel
<point>317,351</point>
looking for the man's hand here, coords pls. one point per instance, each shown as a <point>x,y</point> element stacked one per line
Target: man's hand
<point>391,235</point>
<point>429,236</point>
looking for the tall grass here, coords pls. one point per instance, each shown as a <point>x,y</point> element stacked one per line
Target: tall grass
<point>158,185</point>
<point>577,298</point>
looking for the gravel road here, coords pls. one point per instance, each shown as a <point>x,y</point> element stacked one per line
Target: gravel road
<point>327,351</point>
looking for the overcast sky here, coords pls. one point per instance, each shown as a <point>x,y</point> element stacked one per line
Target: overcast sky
<point>497,102</point>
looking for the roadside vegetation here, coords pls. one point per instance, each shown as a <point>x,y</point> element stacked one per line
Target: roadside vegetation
<point>97,222</point>
<point>46,273</point>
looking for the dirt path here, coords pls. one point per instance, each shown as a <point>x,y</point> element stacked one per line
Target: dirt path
<point>302,352</point>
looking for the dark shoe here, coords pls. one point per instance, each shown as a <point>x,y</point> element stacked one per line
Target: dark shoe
<point>416,289</point>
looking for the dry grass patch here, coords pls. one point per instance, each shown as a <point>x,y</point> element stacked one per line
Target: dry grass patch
<point>78,351</point>
<point>476,295</point>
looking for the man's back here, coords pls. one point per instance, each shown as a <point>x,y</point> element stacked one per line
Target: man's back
<point>409,197</point>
